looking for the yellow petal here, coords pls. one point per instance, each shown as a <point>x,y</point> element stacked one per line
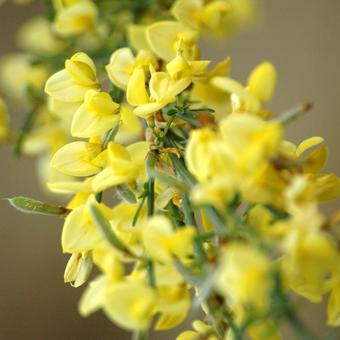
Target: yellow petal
<point>137,37</point>
<point>131,127</point>
<point>184,11</point>
<point>70,187</point>
<point>164,37</point>
<point>262,81</point>
<point>307,144</point>
<point>92,298</point>
<point>79,233</point>
<point>120,67</point>
<point>229,85</point>
<point>76,19</point>
<point>136,92</point>
<point>61,87</point>
<point>81,72</point>
<point>147,110</point>
<point>156,238</point>
<point>96,116</point>
<point>74,159</point>
<point>316,160</point>
<point>130,305</point>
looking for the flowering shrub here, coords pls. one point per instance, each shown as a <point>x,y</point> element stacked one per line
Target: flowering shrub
<point>213,209</point>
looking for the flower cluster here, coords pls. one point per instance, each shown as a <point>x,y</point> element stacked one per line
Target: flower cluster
<point>212,208</point>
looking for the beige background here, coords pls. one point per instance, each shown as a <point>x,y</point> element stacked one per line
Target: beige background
<point>300,37</point>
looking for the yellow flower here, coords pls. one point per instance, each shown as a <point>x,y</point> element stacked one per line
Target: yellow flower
<point>78,158</point>
<point>78,269</point>
<point>122,224</point>
<point>71,84</point>
<point>310,260</point>
<point>95,116</point>
<point>241,145</point>
<point>123,63</point>
<point>164,38</point>
<point>173,303</point>
<point>262,81</point>
<point>75,17</point>
<point>36,36</point>
<point>80,232</point>
<point>162,243</point>
<point>136,35</point>
<point>163,86</point>
<point>106,258</point>
<point>217,191</point>
<point>47,138</point>
<point>207,155</point>
<point>131,128</point>
<point>209,96</point>
<point>260,88</point>
<point>17,74</point>
<point>124,165</point>
<point>244,278</point>
<point>130,304</point>
<point>201,329</point>
<point>200,15</point>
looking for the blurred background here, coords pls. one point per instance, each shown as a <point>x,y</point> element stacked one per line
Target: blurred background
<point>300,37</point>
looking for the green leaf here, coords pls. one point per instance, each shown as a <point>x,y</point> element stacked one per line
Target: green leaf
<point>294,113</point>
<point>169,180</point>
<point>104,226</point>
<point>126,194</point>
<point>31,206</point>
<point>110,136</point>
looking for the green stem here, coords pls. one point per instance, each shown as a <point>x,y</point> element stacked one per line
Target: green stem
<point>151,274</point>
<point>189,216</point>
<point>182,171</point>
<point>174,212</point>
<point>151,196</point>
<point>139,209</point>
<point>216,219</point>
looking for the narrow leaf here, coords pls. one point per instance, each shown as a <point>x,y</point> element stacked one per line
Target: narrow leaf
<point>31,206</point>
<point>104,226</point>
<point>126,194</point>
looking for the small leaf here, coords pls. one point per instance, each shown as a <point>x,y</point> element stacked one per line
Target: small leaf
<point>126,194</point>
<point>104,226</point>
<point>170,180</point>
<point>31,206</point>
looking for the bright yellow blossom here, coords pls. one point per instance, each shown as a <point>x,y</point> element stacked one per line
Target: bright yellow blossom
<point>123,63</point>
<point>78,158</point>
<point>71,84</point>
<point>95,116</point>
<point>17,74</point>
<point>75,17</point>
<point>162,243</point>
<point>200,15</point>
<point>37,36</point>
<point>260,88</point>
<point>130,304</point>
<point>164,38</point>
<point>244,278</point>
<point>78,269</point>
<point>163,86</point>
<point>124,165</point>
